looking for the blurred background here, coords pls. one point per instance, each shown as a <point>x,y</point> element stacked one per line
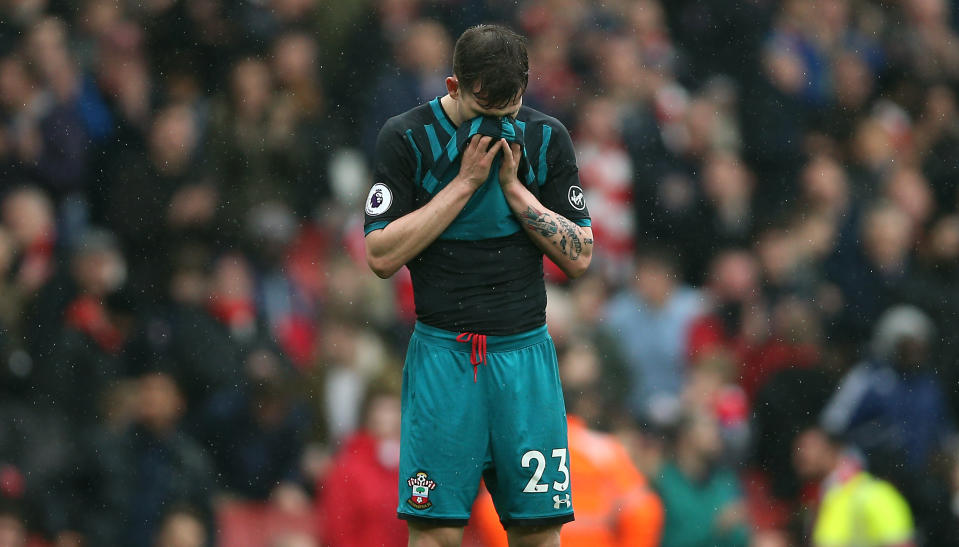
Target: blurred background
<point>194,352</point>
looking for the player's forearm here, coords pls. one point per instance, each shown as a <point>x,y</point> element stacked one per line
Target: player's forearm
<point>568,245</point>
<point>387,250</point>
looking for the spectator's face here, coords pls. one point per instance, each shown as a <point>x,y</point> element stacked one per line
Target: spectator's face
<point>100,272</point>
<point>383,418</point>
<point>339,344</point>
<point>795,321</point>
<point>12,532</point>
<point>824,183</point>
<point>599,121</point>
<point>182,530</point>
<point>173,133</point>
<point>654,282</point>
<point>701,122</point>
<point>944,239</point>
<point>873,144</point>
<point>263,365</point>
<point>99,16</point>
<point>251,87</point>
<point>396,11</point>
<point>786,71</point>
<point>426,48</point>
<point>703,436</point>
<point>887,237</point>
<point>620,66</point>
<point>160,402</point>
<point>29,216</point>
<point>15,84</point>
<point>579,368</point>
<point>940,105</point>
<point>834,13</point>
<point>647,16</point>
<point>812,455</point>
<point>232,279</point>
<point>734,276</point>
<point>777,254</point>
<point>926,11</point>
<point>293,10</point>
<point>294,58</point>
<point>910,191</point>
<point>726,179</point>
<point>589,299</point>
<point>853,80</point>
<point>48,46</point>
<point>910,354</point>
<point>815,237</point>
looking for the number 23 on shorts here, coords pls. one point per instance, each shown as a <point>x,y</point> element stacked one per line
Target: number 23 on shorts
<point>536,457</point>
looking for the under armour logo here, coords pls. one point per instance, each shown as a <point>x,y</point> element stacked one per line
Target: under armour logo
<point>561,502</point>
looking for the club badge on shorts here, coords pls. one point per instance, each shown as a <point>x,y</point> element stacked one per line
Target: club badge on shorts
<point>421,485</point>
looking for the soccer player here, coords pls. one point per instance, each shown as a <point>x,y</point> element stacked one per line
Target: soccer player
<point>469,191</point>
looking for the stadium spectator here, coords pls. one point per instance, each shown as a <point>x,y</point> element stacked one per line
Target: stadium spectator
<point>606,172</point>
<point>212,341</point>
<point>703,503</point>
<point>360,486</point>
<point>13,527</point>
<point>256,431</point>
<point>734,318</point>
<point>852,506</point>
<point>650,321</point>
<point>86,356</point>
<point>127,478</point>
<point>182,527</point>
<point>892,405</point>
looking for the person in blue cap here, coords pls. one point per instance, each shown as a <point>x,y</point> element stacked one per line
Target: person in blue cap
<point>469,192</point>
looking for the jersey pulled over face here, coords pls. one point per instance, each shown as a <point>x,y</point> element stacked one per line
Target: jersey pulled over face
<point>483,274</point>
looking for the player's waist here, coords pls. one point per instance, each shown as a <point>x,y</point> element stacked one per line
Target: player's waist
<point>494,343</point>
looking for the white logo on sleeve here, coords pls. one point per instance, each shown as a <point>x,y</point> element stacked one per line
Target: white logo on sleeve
<point>576,198</point>
<point>379,200</point>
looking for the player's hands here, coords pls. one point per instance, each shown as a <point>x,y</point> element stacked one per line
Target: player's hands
<point>510,165</point>
<point>477,159</point>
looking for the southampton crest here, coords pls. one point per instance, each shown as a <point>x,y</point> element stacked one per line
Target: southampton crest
<point>421,485</point>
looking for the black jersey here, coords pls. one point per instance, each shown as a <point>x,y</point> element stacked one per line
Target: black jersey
<point>483,274</point>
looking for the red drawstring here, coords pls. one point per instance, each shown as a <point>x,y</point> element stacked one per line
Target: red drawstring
<point>478,353</point>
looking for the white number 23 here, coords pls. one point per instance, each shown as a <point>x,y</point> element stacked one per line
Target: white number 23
<point>535,455</point>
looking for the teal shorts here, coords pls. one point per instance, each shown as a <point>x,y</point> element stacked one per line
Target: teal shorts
<point>503,420</point>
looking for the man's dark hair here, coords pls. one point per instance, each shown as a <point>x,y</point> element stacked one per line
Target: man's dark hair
<point>490,61</point>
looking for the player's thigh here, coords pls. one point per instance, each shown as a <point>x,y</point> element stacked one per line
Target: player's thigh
<point>533,536</point>
<point>530,480</point>
<point>444,442</point>
<point>426,535</point>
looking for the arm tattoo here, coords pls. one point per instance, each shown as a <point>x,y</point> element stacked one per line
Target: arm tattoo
<point>541,222</point>
<point>575,246</point>
<point>547,225</point>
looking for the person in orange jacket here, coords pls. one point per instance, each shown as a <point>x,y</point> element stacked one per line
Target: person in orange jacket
<point>615,506</point>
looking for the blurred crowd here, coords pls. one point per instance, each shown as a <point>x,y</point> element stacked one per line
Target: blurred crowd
<point>194,352</point>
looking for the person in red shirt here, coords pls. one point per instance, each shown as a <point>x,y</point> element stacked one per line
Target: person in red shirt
<point>358,495</point>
